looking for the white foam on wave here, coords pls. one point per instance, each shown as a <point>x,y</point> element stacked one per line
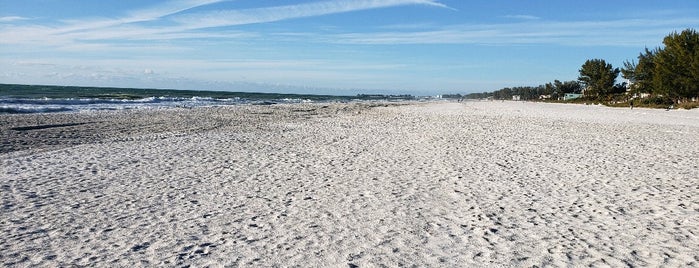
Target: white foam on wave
<point>52,105</point>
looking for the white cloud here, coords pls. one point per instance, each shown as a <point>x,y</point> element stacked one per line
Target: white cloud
<point>168,8</point>
<point>410,26</point>
<point>12,18</point>
<point>75,33</point>
<point>100,34</point>
<point>142,72</point>
<point>97,28</point>
<point>522,17</point>
<point>72,32</point>
<point>278,13</point>
<point>141,15</point>
<point>625,32</point>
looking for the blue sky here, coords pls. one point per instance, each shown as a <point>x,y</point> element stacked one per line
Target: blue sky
<point>421,47</point>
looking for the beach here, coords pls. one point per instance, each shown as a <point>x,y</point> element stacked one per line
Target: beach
<point>437,184</point>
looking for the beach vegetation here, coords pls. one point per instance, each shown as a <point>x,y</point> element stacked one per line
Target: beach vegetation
<point>640,75</point>
<point>670,72</point>
<point>549,91</point>
<point>676,72</point>
<point>664,77</point>
<point>598,77</point>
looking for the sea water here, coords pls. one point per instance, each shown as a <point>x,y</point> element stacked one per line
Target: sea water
<point>50,105</point>
<point>15,99</point>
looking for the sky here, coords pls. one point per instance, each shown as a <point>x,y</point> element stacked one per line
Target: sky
<point>346,47</point>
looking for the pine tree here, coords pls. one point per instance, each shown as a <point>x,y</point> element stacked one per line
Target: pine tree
<point>644,71</point>
<point>676,70</point>
<point>598,77</point>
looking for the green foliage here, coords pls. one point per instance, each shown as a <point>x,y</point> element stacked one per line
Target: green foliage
<point>629,71</point>
<point>688,105</point>
<point>568,87</point>
<point>676,72</point>
<point>656,102</point>
<point>598,76</point>
<point>452,96</point>
<point>669,74</point>
<point>483,95</point>
<point>619,88</point>
<point>555,90</point>
<point>643,74</point>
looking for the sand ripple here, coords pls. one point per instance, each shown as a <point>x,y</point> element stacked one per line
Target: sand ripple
<point>347,185</point>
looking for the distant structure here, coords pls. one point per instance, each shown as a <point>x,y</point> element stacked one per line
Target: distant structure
<point>629,85</point>
<point>571,96</point>
<point>516,97</point>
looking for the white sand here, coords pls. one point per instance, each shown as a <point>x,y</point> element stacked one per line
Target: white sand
<point>439,184</point>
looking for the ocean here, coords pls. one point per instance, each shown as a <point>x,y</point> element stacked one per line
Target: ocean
<point>19,99</point>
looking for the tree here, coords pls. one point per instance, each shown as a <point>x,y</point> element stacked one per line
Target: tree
<point>568,86</point>
<point>619,88</point>
<point>598,77</point>
<point>643,75</point>
<point>676,72</point>
<point>629,71</point>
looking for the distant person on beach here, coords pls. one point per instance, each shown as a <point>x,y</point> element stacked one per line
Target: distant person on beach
<point>631,104</point>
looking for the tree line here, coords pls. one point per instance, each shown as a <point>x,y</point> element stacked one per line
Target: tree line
<point>670,73</point>
<point>551,90</point>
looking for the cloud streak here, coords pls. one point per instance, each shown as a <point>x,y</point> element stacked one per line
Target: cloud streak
<point>271,14</point>
<point>185,26</point>
<point>625,32</point>
<point>84,33</point>
<point>522,17</point>
<point>169,8</point>
<point>100,34</point>
<point>12,19</point>
<point>71,30</point>
<point>142,15</point>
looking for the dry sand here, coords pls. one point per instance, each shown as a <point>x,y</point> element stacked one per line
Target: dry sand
<point>348,185</point>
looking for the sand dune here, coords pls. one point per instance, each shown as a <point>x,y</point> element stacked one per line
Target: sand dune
<point>349,185</point>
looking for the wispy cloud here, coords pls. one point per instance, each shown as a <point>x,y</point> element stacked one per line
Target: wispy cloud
<point>70,31</point>
<point>278,74</point>
<point>168,8</point>
<point>141,15</point>
<point>174,23</point>
<point>522,17</point>
<point>624,32</point>
<point>270,14</point>
<point>12,19</point>
<point>178,26</point>
<point>410,26</point>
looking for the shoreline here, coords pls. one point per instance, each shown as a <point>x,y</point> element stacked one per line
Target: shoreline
<point>426,184</point>
<point>59,130</point>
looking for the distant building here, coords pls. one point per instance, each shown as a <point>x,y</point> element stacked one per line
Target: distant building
<point>544,97</point>
<point>571,96</point>
<point>629,85</point>
<point>515,97</point>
